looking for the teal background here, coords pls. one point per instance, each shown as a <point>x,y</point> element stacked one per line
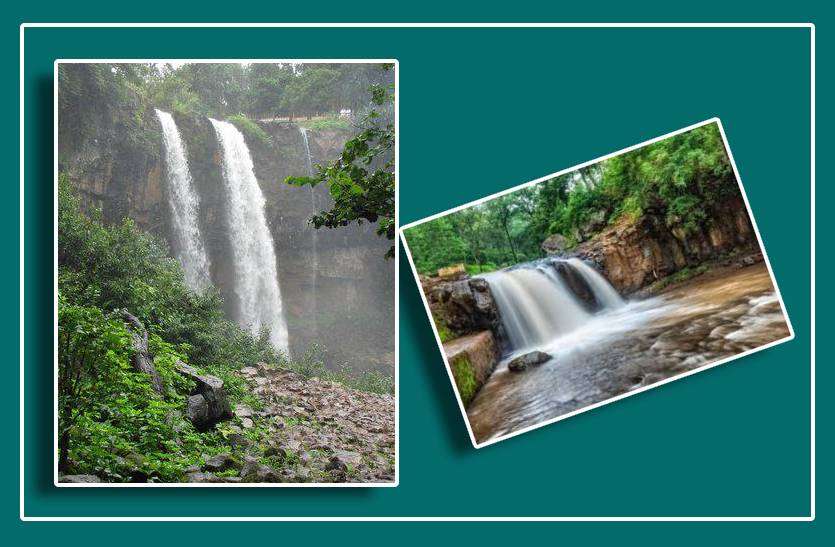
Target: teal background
<point>482,110</point>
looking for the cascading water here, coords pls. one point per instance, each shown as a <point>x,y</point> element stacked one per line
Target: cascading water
<point>603,291</point>
<point>256,275</point>
<point>537,306</point>
<point>184,204</point>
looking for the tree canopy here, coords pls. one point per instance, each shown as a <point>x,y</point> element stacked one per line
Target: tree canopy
<point>680,179</point>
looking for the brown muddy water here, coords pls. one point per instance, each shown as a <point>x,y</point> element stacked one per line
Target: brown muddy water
<point>637,344</point>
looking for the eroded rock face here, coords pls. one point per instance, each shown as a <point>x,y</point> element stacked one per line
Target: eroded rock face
<point>465,306</point>
<point>577,284</point>
<point>634,254</point>
<point>472,359</point>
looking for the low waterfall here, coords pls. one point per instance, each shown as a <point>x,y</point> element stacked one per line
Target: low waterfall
<point>536,305</point>
<point>603,291</point>
<point>256,275</point>
<point>184,205</point>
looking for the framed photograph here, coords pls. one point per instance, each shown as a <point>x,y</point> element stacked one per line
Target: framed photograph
<point>595,283</point>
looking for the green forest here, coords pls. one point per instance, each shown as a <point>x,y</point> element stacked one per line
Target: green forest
<point>678,179</point>
<point>116,423</point>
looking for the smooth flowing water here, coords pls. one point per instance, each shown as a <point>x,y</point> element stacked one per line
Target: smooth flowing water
<point>256,276</point>
<point>185,206</point>
<point>625,347</point>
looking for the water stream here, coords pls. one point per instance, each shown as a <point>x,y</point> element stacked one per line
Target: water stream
<point>184,204</point>
<point>255,263</point>
<point>622,347</point>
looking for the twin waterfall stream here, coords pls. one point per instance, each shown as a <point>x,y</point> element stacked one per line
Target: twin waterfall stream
<point>256,284</point>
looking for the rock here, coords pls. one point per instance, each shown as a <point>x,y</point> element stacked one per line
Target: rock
<point>249,371</point>
<point>452,272</point>
<point>255,471</point>
<point>201,477</point>
<point>247,423</point>
<point>275,451</point>
<point>523,362</point>
<point>636,253</point>
<point>472,359</point>
<point>243,411</point>
<point>79,479</point>
<point>554,244</point>
<point>238,441</point>
<point>141,358</point>
<point>465,306</point>
<point>220,462</point>
<point>208,403</point>
<point>577,284</point>
<point>347,457</point>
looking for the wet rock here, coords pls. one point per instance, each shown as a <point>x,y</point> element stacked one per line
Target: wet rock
<point>577,284</point>
<point>472,359</point>
<point>79,479</point>
<point>523,362</point>
<point>207,404</point>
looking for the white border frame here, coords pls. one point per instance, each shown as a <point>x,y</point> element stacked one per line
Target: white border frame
<point>808,518</point>
<point>396,480</point>
<point>624,395</point>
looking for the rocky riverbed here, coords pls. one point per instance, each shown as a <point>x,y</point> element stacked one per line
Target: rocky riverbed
<point>722,313</point>
<point>307,430</point>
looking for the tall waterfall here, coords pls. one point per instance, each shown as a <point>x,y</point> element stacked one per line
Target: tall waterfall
<point>537,306</point>
<point>182,199</point>
<point>256,274</point>
<point>314,236</point>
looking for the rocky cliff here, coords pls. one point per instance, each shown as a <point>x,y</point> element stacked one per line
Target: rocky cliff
<point>634,254</point>
<point>335,284</point>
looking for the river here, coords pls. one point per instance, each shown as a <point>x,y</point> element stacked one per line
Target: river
<point>711,317</point>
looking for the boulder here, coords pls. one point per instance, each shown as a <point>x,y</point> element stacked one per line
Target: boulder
<point>554,244</point>
<point>202,477</point>
<point>220,462</point>
<point>255,471</point>
<point>577,284</point>
<point>465,306</point>
<point>531,359</point>
<point>207,404</point>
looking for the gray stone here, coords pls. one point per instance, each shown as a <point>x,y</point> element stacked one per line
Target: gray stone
<point>523,362</point>
<point>220,462</point>
<point>208,403</point>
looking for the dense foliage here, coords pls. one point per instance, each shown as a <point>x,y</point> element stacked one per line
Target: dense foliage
<point>680,179</point>
<point>361,181</point>
<point>112,422</point>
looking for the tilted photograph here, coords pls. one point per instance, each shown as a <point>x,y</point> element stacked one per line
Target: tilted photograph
<point>224,271</point>
<point>596,283</point>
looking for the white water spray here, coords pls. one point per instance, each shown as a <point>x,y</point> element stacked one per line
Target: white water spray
<point>184,204</point>
<point>256,273</point>
<point>537,306</point>
<point>603,291</point>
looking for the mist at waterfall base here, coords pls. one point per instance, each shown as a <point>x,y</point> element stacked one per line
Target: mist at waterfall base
<point>614,346</point>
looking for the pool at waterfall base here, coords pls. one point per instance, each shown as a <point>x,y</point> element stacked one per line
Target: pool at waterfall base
<point>620,348</point>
